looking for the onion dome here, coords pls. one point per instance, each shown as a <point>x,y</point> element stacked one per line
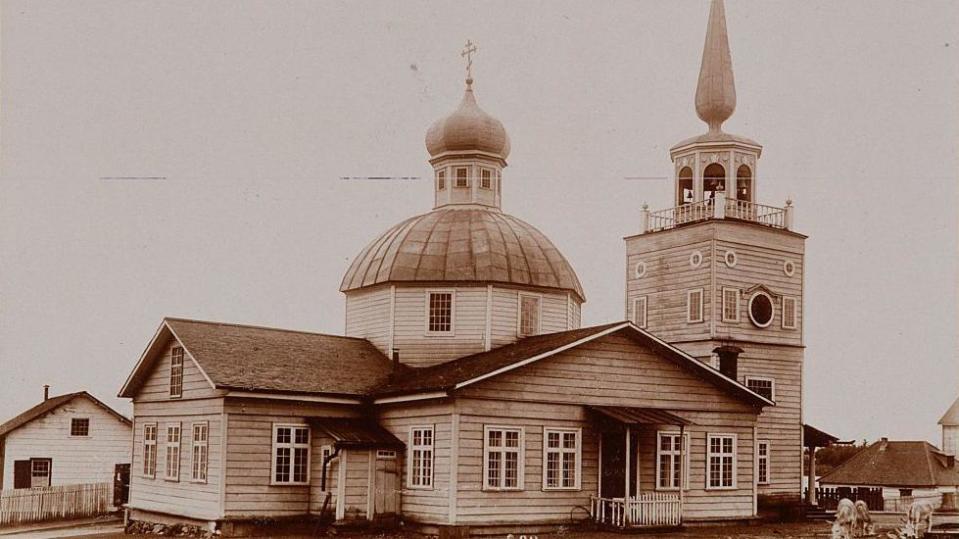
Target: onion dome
<point>463,245</point>
<point>468,129</point>
<point>716,90</point>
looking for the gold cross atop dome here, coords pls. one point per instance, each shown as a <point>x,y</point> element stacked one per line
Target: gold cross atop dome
<point>467,53</point>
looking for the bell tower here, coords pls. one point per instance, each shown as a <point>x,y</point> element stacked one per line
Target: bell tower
<point>720,275</point>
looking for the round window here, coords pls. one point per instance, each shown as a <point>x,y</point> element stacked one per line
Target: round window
<point>789,268</point>
<point>640,269</point>
<point>761,309</point>
<point>730,258</point>
<point>695,259</point>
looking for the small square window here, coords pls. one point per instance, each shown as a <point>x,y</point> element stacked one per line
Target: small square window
<point>80,426</point>
<point>762,386</point>
<point>462,177</point>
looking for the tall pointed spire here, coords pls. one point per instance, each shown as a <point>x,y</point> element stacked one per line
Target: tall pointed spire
<point>716,91</point>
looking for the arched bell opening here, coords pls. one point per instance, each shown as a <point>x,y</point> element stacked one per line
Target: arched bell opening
<point>684,187</point>
<point>744,183</point>
<point>714,181</point>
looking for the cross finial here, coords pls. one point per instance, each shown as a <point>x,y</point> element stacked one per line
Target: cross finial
<point>467,53</point>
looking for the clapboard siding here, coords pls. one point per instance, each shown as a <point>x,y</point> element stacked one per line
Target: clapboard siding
<point>157,385</point>
<point>368,316</point>
<point>317,494</point>
<point>469,325</point>
<point>356,487</point>
<point>556,312</point>
<point>76,459</point>
<point>428,506</point>
<point>182,496</point>
<point>248,490</point>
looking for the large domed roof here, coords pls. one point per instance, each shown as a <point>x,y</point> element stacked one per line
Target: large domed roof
<point>463,245</point>
<point>468,128</point>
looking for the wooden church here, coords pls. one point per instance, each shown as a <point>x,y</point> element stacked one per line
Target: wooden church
<point>466,395</point>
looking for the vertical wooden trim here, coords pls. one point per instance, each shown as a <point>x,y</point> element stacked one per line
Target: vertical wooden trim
<point>392,329</point>
<point>756,470</point>
<point>454,465</point>
<point>629,458</point>
<point>341,484</point>
<point>639,490</point>
<point>371,484</point>
<point>569,312</point>
<point>488,336</point>
<point>682,467</point>
<point>599,466</point>
<point>224,433</point>
<point>712,288</point>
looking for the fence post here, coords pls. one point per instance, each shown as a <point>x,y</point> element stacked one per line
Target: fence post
<point>788,215</point>
<point>644,218</point>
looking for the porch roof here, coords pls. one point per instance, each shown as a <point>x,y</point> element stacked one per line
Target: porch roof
<point>641,416</point>
<point>352,432</point>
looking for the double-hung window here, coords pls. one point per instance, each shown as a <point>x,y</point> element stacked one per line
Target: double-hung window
<point>291,454</point>
<point>201,440</point>
<point>762,462</point>
<point>639,311</point>
<point>462,177</point>
<point>503,458</point>
<point>529,315</point>
<point>668,453</point>
<point>789,312</point>
<point>173,452</point>
<point>439,312</point>
<point>721,461</point>
<point>730,305</point>
<point>764,386</point>
<point>441,180</point>
<point>694,305</point>
<point>420,458</point>
<point>176,372</point>
<point>486,178</point>
<point>561,448</point>
<point>150,450</point>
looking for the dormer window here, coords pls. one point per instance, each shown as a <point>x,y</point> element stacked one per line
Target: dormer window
<point>486,178</point>
<point>441,180</point>
<point>462,177</point>
<point>176,372</point>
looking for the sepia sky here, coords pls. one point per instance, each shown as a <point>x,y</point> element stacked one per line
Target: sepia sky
<point>249,113</point>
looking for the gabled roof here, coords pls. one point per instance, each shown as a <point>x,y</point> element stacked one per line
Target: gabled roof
<point>951,417</point>
<point>253,358</point>
<point>902,464</point>
<point>474,368</point>
<point>813,437</point>
<point>50,405</point>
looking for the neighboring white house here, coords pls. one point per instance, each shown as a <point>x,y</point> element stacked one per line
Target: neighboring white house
<point>64,440</point>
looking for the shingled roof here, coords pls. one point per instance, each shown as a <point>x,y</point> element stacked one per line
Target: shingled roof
<point>50,405</point>
<point>896,464</point>
<point>254,358</point>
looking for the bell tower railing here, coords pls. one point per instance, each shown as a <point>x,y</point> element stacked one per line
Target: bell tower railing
<point>719,207</point>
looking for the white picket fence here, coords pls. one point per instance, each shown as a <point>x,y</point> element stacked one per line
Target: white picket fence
<point>24,505</point>
<point>651,509</point>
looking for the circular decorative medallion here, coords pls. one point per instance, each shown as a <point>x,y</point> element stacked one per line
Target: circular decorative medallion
<point>761,309</point>
<point>789,268</point>
<point>640,269</point>
<point>730,258</point>
<point>696,259</point>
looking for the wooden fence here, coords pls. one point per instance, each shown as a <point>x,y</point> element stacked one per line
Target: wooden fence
<point>828,498</point>
<point>25,505</point>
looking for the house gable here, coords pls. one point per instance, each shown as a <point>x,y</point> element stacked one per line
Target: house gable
<point>150,379</point>
<point>614,369</point>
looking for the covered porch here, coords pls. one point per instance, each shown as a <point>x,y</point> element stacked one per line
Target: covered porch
<point>637,488</point>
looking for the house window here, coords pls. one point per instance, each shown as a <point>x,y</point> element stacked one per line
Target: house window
<point>176,372</point>
<point>789,313</point>
<point>503,458</point>
<point>730,305</point>
<point>150,450</point>
<point>462,177</point>
<point>440,312</point>
<point>721,461</point>
<point>562,450</point>
<point>385,454</point>
<point>639,311</point>
<point>762,462</point>
<point>80,426</point>
<point>529,311</point>
<point>441,180</point>
<point>420,457</point>
<point>762,386</point>
<point>173,452</point>
<point>668,459</point>
<point>486,178</point>
<point>694,306</point>
<point>201,455</point>
<point>291,454</point>
<point>40,472</point>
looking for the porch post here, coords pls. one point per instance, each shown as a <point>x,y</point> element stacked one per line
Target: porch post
<point>599,474</point>
<point>811,481</point>
<point>629,432</point>
<point>682,468</point>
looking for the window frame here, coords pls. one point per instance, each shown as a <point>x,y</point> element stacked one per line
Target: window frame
<point>734,458</point>
<point>204,448</point>
<point>760,458</point>
<point>169,464</point>
<point>411,448</point>
<point>645,319</point>
<point>577,453</point>
<point>74,421</point>
<point>520,458</point>
<point>150,472</point>
<point>176,378</point>
<point>292,445</point>
<point>772,385</point>
<point>736,292</point>
<point>794,311</point>
<point>772,313</point>
<point>674,457</point>
<point>519,313</point>
<point>702,301</point>
<point>452,331</point>
<point>456,178</point>
<point>49,471</point>
<point>486,179</point>
<point>441,180</point>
